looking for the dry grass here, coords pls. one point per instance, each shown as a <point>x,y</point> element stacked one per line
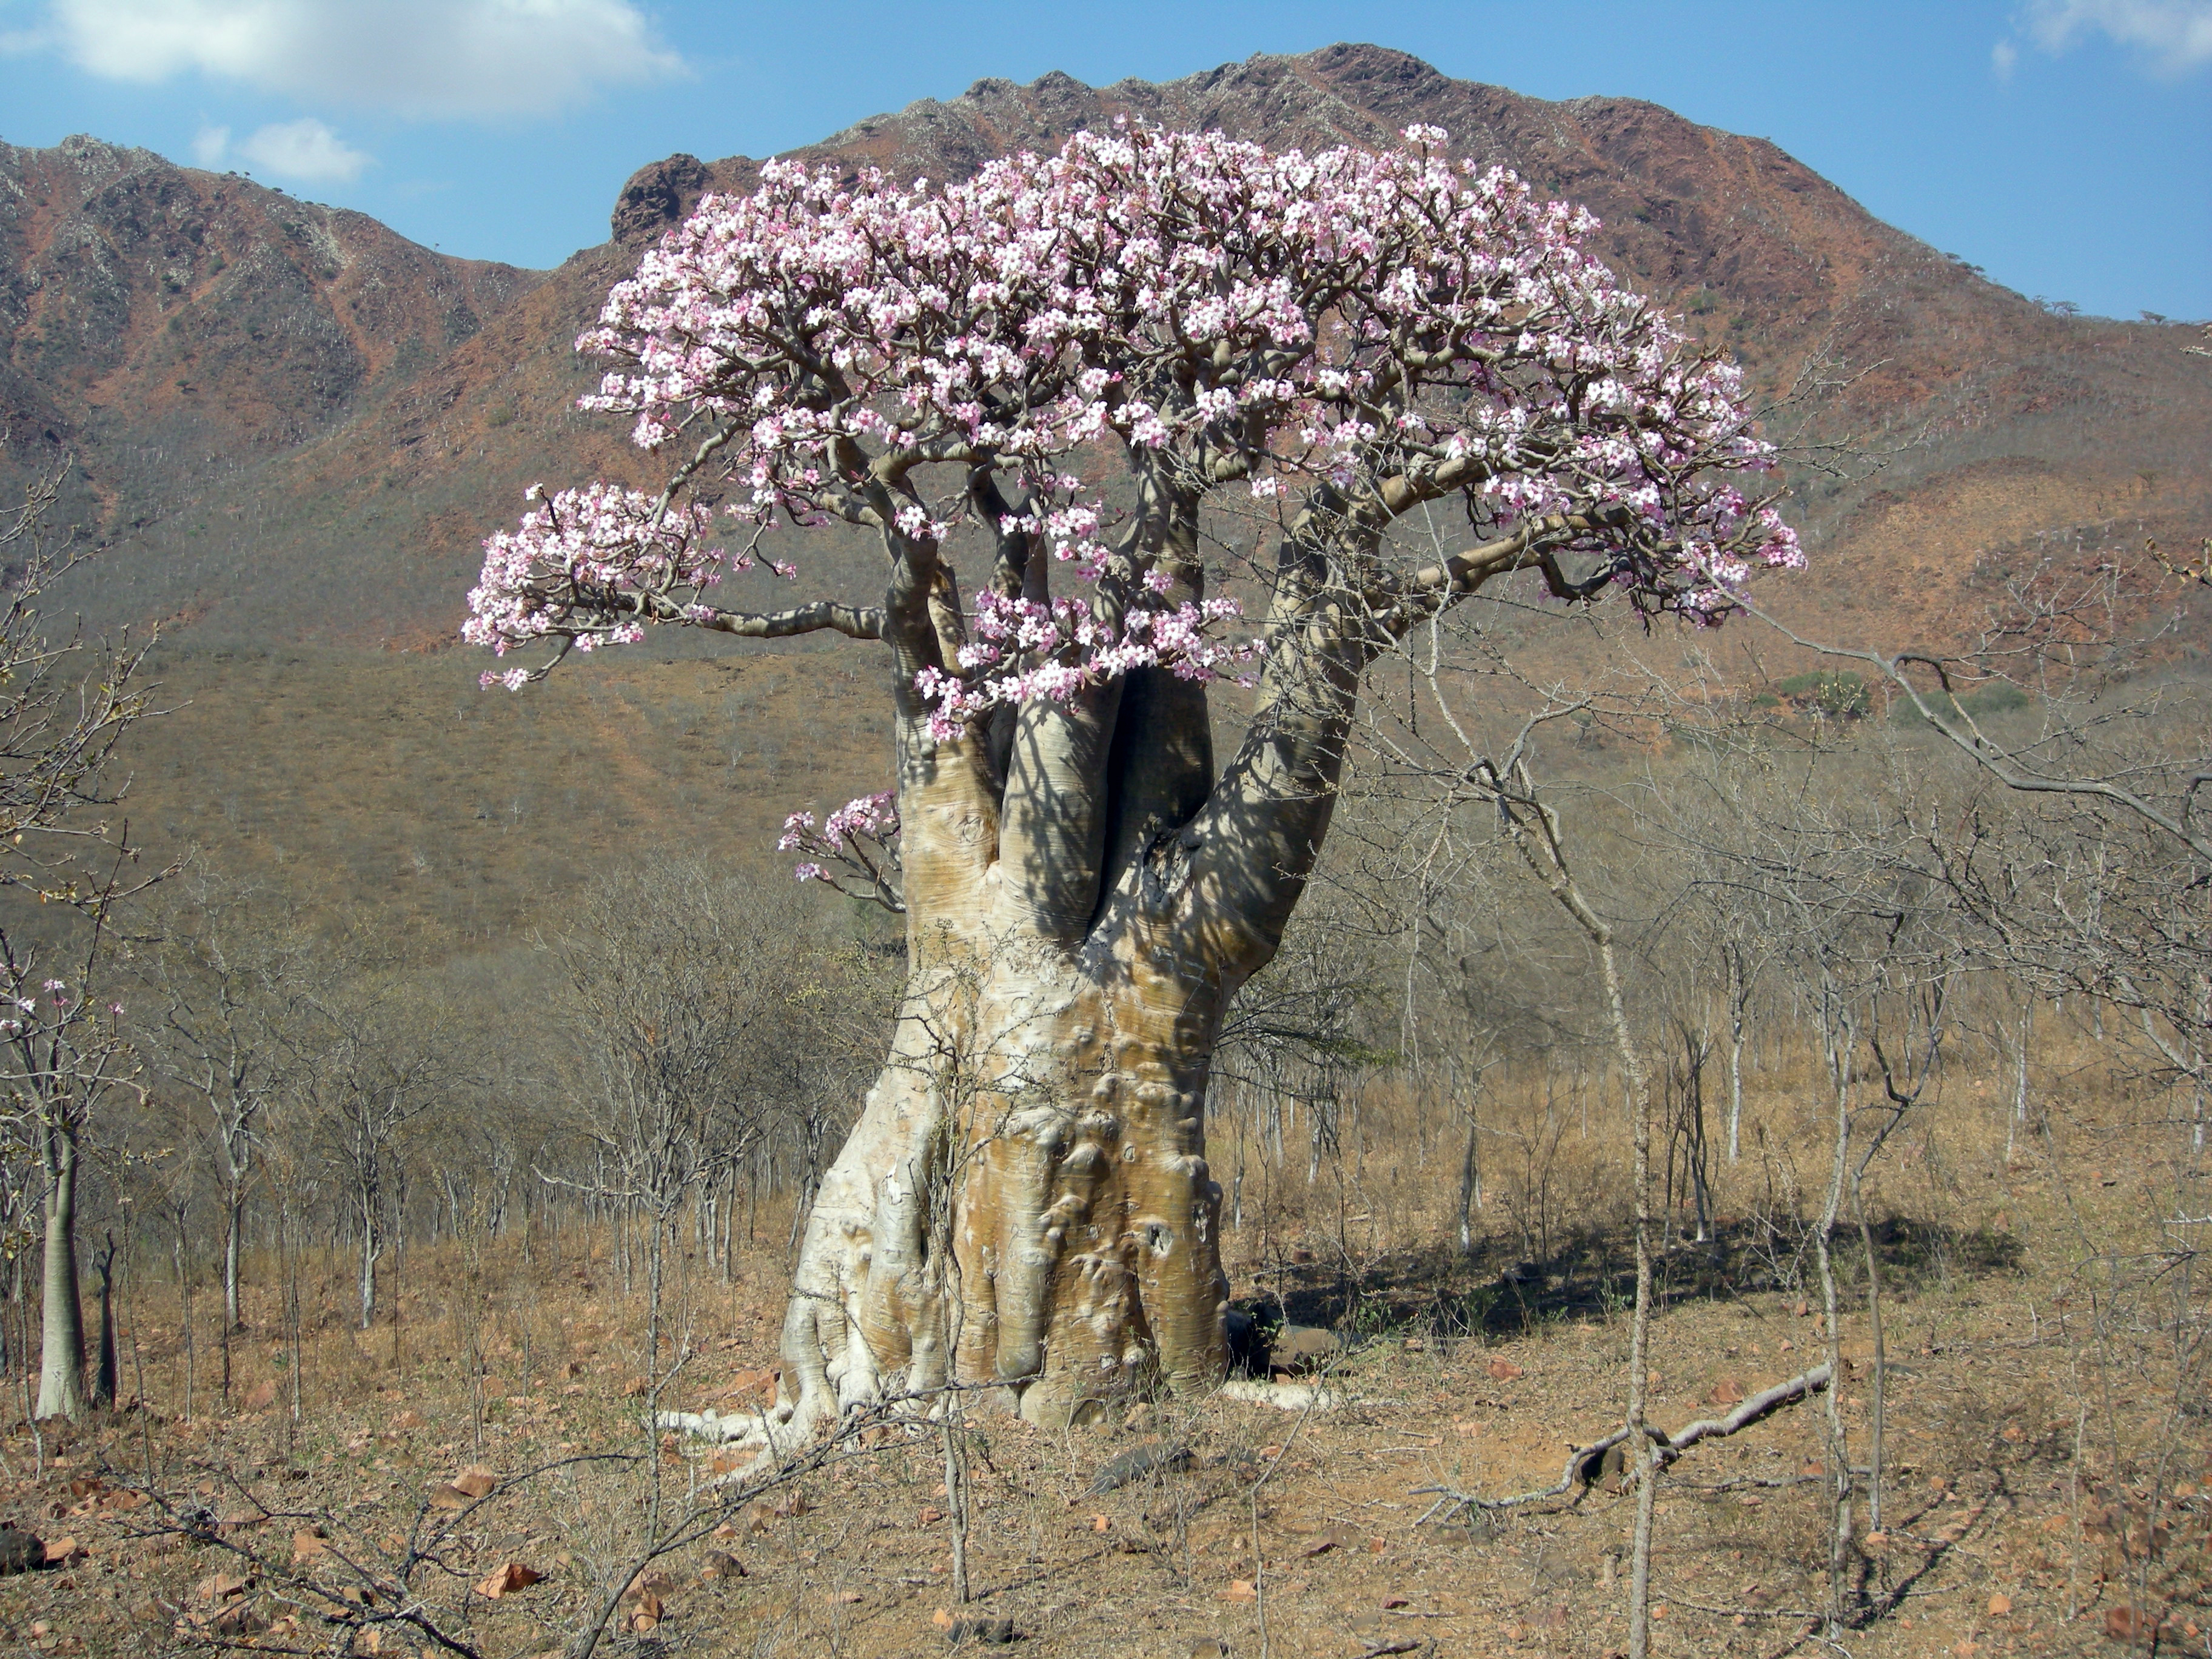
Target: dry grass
<point>2048,1437</point>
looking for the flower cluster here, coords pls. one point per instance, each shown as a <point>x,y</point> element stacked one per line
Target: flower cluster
<point>25,1020</point>
<point>1030,650</point>
<point>855,849</point>
<point>589,567</point>
<point>1346,335</point>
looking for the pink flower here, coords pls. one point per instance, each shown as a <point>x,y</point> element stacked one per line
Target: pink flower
<point>1367,326</point>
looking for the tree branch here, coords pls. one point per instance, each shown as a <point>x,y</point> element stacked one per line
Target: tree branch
<point>1586,1464</point>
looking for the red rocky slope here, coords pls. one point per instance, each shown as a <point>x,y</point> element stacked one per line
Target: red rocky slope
<point>2001,425</point>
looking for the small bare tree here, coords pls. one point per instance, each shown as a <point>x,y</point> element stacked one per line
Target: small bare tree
<point>232,984</point>
<point>64,704</point>
<point>683,992</point>
<point>379,1056</point>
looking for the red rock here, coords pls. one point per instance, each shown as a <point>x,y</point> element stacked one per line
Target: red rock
<point>510,1577</point>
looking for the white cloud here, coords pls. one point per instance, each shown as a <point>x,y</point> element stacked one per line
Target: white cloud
<point>2176,35</point>
<point>416,57</point>
<point>306,150</point>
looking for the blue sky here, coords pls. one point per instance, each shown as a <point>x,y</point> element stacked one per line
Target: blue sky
<point>2062,144</point>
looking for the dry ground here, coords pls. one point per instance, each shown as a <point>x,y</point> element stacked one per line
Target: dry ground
<point>2048,1446</point>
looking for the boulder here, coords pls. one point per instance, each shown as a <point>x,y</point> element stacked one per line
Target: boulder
<point>1302,1350</point>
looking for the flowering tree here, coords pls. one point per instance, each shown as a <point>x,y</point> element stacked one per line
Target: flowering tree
<point>1326,344</point>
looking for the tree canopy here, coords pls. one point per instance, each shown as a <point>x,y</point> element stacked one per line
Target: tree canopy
<point>1342,338</point>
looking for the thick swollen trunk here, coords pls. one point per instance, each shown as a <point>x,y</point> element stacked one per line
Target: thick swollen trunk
<point>234,1225</point>
<point>1024,1207</point>
<point>238,1156</point>
<point>61,1357</point>
<point>1042,1116</point>
<point>372,1245</point>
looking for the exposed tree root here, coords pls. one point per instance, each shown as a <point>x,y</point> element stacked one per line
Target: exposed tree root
<point>778,1430</point>
<point>1283,1396</point>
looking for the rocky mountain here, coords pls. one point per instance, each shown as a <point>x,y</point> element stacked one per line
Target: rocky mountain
<point>296,426</point>
<point>170,328</point>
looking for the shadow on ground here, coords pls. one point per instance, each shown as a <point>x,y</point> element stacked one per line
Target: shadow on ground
<point>1496,1292</point>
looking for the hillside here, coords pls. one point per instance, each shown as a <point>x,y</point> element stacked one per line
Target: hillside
<point>1998,423</point>
<point>171,331</point>
<point>293,428</point>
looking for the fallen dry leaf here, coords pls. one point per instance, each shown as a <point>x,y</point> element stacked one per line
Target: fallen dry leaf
<point>2000,1604</point>
<point>308,1545</point>
<point>1505,1371</point>
<point>447,1496</point>
<point>2129,1624</point>
<point>1240,1589</point>
<point>1727,1392</point>
<point>476,1480</point>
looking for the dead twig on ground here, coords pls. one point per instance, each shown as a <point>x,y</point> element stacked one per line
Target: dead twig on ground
<point>1586,1464</point>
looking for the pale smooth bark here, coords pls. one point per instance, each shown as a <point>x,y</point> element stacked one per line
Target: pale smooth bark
<point>1028,1181</point>
<point>1536,829</point>
<point>372,1248</point>
<point>1025,1203</point>
<point>61,1354</point>
<point>1738,995</point>
<point>1839,1532</point>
